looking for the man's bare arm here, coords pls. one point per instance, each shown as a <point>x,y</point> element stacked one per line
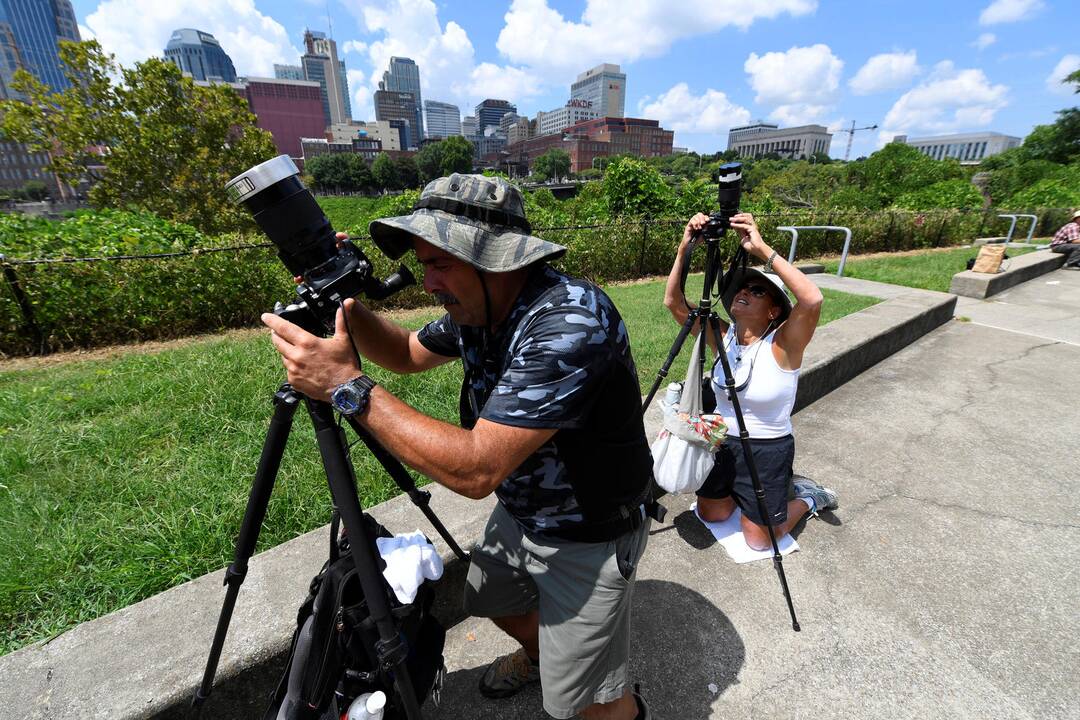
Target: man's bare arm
<point>387,344</point>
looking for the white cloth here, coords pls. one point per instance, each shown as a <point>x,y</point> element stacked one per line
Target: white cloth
<point>410,559</point>
<point>729,534</point>
<point>767,400</point>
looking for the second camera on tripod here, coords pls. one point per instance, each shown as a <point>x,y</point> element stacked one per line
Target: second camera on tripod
<point>729,179</point>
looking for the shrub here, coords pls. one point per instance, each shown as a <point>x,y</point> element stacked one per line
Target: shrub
<point>954,193</point>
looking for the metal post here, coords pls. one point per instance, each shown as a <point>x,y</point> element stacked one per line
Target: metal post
<point>24,304</point>
<point>1012,226</point>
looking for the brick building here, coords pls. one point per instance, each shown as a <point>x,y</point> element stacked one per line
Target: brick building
<point>288,109</point>
<point>586,141</point>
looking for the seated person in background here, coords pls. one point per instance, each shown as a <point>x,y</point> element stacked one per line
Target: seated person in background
<point>1067,240</point>
<point>764,346</point>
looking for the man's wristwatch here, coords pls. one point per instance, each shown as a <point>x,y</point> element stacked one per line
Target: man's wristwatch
<point>351,398</point>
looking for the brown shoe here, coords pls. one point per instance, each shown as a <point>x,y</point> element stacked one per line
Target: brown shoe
<point>509,674</point>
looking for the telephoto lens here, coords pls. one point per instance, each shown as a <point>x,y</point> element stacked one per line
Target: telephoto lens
<point>286,211</point>
<point>729,180</point>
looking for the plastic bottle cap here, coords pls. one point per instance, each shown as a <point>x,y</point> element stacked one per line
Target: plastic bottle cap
<point>376,702</point>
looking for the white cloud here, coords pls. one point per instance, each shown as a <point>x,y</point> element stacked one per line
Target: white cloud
<point>799,114</point>
<point>1007,11</point>
<point>495,81</point>
<point>680,110</point>
<point>616,31</point>
<point>362,101</point>
<point>948,101</point>
<point>353,46</point>
<point>1055,81</point>
<point>984,41</point>
<point>800,76</point>
<point>135,30</point>
<point>887,71</point>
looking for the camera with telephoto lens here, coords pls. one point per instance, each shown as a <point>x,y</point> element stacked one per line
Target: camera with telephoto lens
<point>328,270</point>
<point>729,178</point>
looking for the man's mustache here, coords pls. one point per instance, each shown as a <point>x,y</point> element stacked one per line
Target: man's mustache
<point>445,298</point>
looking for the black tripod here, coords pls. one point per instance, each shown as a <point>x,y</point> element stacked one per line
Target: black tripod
<point>391,648</point>
<point>709,321</point>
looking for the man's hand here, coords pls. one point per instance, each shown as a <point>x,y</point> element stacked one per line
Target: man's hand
<point>315,365</point>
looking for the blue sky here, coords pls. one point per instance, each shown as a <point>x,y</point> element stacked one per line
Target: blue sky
<point>918,67</point>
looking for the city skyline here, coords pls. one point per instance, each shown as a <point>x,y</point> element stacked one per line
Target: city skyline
<point>918,68</point>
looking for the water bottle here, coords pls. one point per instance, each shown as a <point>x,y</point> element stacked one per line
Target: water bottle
<point>671,398</point>
<point>369,706</point>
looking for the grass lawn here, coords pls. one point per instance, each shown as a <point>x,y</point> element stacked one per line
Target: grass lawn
<point>123,476</point>
<point>928,269</point>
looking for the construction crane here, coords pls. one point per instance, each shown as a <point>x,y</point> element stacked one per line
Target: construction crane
<point>851,136</point>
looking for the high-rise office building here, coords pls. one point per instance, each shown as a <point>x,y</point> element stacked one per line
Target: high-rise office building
<point>398,107</point>
<point>468,126</point>
<point>200,54</point>
<point>443,119</point>
<point>404,76</point>
<point>288,109</point>
<point>289,72</point>
<point>490,112</point>
<point>320,63</point>
<point>30,32</point>
<point>602,89</point>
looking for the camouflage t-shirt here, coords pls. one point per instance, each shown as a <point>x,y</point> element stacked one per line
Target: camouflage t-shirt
<point>545,367</point>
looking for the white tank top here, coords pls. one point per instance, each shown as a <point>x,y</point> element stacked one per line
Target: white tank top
<point>766,391</point>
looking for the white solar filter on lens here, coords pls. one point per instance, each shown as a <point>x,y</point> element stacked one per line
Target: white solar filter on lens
<point>260,177</point>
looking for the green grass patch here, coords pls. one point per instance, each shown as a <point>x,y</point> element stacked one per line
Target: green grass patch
<point>929,270</point>
<point>122,477</point>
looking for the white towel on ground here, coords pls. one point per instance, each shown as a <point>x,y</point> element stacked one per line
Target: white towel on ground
<point>410,559</point>
<point>729,534</point>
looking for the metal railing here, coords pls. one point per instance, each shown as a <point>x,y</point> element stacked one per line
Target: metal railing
<point>794,230</point>
<point>1012,226</point>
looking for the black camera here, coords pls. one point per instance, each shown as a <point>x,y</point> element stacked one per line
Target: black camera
<point>328,271</point>
<point>729,178</point>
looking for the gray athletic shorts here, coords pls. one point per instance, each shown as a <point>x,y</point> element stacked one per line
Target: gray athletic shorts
<point>583,593</point>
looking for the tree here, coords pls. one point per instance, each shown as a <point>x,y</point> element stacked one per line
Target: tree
<point>340,172</point>
<point>429,161</point>
<point>162,143</point>
<point>385,173</point>
<point>457,155</point>
<point>408,174</point>
<point>555,163</point>
<point>35,190</point>
<point>895,170</point>
<point>633,188</point>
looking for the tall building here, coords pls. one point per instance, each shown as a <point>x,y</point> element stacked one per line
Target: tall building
<point>320,63</point>
<point>289,72</point>
<point>30,33</point>
<point>763,138</point>
<point>200,54</point>
<point>468,127</point>
<point>288,109</point>
<point>559,119</point>
<point>404,76</point>
<point>603,89</point>
<point>490,112</point>
<point>442,119</point>
<point>392,105</point>
<point>968,148</point>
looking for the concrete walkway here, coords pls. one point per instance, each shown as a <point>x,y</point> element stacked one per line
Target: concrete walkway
<point>945,586</point>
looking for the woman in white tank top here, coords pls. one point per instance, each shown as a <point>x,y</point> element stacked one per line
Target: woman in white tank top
<point>764,345</point>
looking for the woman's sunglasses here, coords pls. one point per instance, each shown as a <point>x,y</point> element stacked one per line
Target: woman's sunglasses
<point>756,290</point>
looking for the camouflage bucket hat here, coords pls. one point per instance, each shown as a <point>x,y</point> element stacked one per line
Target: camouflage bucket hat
<point>478,219</point>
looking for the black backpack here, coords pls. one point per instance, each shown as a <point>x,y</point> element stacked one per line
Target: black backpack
<point>333,658</point>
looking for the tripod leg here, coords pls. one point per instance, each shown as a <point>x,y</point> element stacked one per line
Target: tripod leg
<point>286,400</point>
<point>674,353</point>
<point>391,647</point>
<point>401,477</point>
<point>759,491</point>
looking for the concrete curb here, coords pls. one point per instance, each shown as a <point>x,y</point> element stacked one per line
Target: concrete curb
<point>145,661</point>
<point>1020,269</point>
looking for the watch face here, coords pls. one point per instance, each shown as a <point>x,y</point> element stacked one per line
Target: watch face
<point>346,399</point>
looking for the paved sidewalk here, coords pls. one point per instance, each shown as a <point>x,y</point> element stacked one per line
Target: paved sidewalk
<point>945,586</point>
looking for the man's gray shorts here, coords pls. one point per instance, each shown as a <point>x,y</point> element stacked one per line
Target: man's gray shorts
<point>583,592</point>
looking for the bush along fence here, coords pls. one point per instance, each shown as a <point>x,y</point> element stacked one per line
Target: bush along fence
<point>55,304</point>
